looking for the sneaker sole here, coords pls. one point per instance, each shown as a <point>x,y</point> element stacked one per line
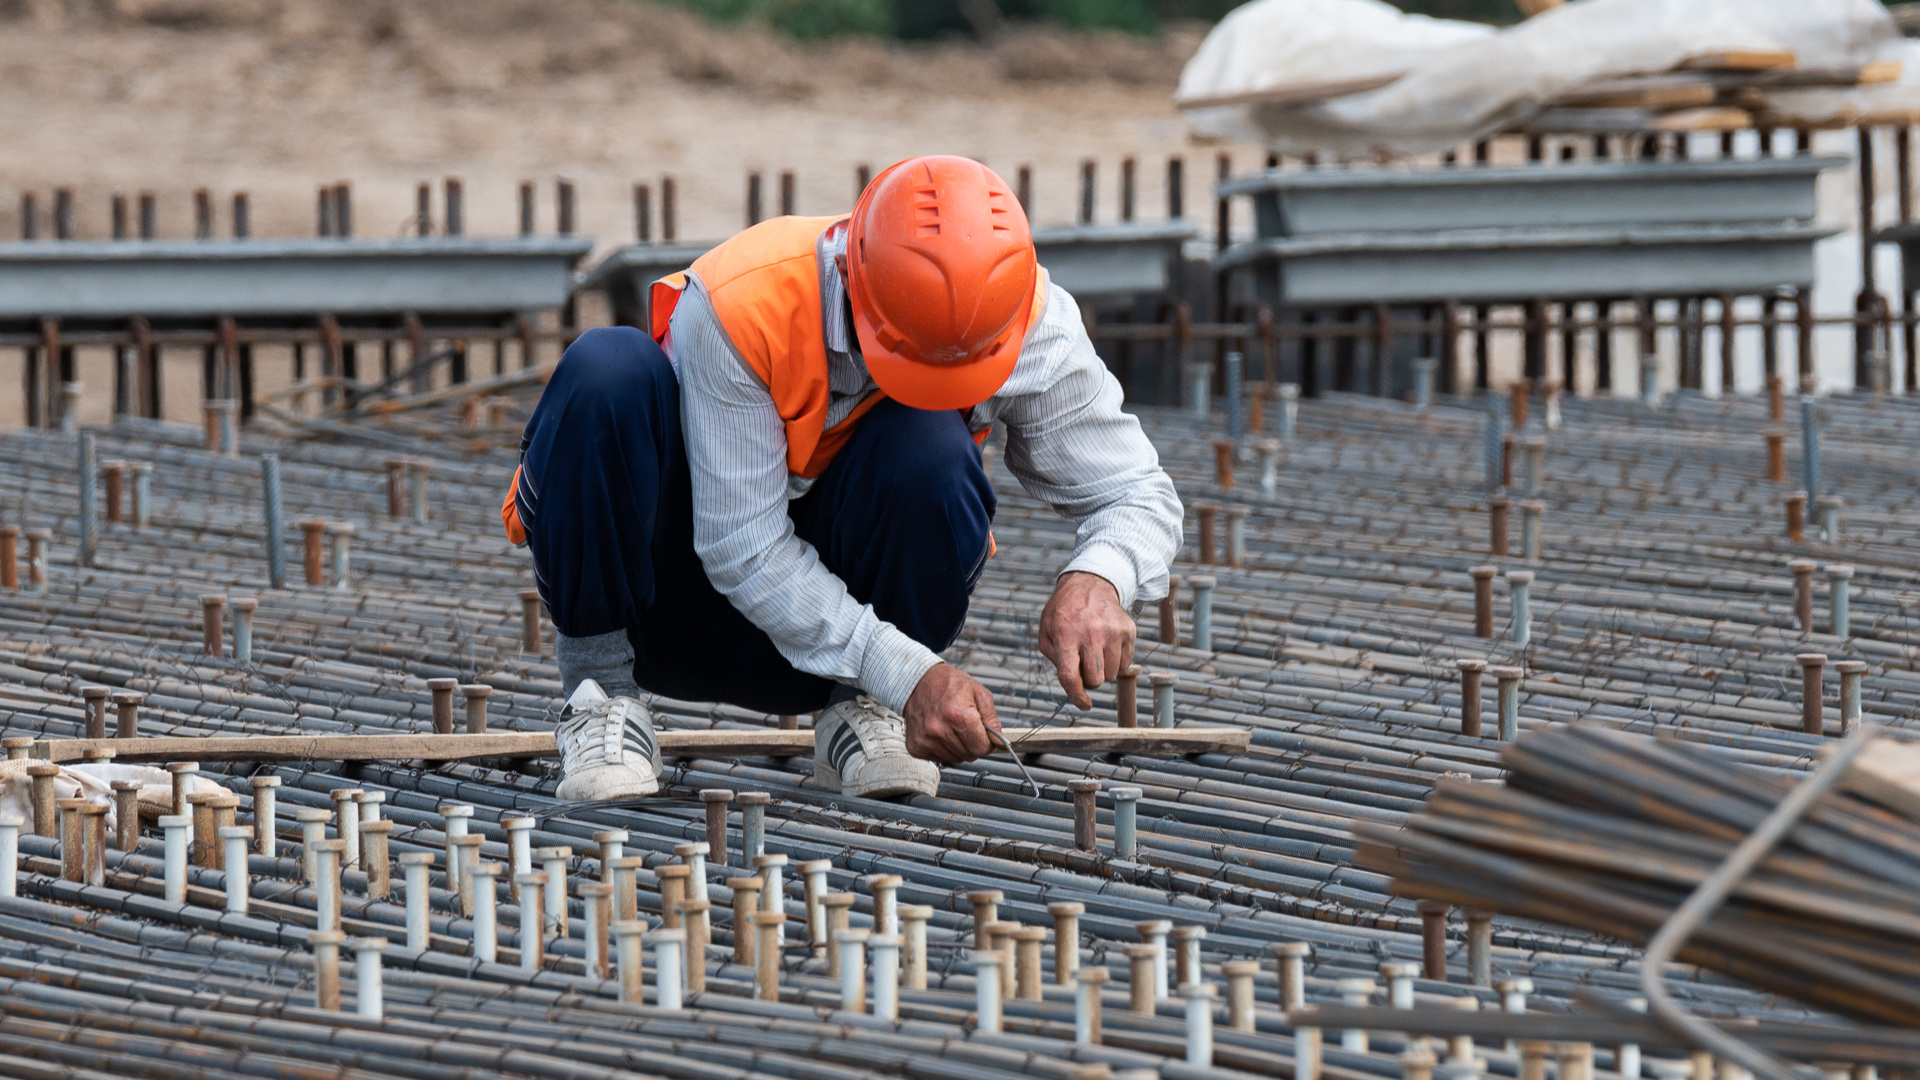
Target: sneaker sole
<point>606,782</point>
<point>885,779</point>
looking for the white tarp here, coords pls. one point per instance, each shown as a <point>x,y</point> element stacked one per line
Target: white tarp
<point>1462,84</point>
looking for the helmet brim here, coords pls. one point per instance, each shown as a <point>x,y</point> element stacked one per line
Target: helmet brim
<point>960,385</point>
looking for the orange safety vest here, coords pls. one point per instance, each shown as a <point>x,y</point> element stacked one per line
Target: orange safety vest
<point>764,285</point>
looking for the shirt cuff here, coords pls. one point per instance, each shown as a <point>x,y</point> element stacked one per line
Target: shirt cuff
<point>893,666</point>
<point>1106,561</point>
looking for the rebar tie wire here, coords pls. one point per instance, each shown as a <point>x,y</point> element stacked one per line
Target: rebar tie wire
<point>1709,894</point>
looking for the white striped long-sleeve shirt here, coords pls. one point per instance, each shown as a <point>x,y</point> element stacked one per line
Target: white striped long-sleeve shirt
<point>1068,443</point>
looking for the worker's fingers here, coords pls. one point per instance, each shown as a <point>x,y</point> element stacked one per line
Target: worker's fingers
<point>1093,669</point>
<point>1119,650</point>
<point>983,701</point>
<point>971,731</point>
<point>1068,664</point>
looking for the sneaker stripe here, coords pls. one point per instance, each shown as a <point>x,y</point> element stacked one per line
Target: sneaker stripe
<point>841,745</point>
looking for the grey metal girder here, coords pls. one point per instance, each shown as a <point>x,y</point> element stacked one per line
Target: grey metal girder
<point>1112,260</point>
<point>1303,202</point>
<point>160,279</point>
<point>1085,260</point>
<point>1517,264</point>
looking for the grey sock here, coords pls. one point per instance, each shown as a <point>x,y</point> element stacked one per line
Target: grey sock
<point>842,692</point>
<point>605,658</point>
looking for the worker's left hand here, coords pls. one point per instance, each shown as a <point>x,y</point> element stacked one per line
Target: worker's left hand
<point>1086,633</point>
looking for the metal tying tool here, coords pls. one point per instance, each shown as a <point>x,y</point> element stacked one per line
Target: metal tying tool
<point>994,733</point>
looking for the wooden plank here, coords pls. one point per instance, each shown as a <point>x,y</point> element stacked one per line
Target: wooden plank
<point>1641,92</point>
<point>1717,118</point>
<point>1887,772</point>
<point>1291,93</point>
<point>732,742</point>
<point>1741,60</point>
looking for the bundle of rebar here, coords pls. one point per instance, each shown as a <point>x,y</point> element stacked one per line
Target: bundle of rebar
<point>1607,831</point>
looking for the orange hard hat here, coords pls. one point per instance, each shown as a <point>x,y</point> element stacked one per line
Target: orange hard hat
<point>941,272</point>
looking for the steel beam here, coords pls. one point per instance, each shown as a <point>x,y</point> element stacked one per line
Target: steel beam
<point>285,277</point>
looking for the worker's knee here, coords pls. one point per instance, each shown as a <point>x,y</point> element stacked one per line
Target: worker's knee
<point>618,365</point>
<point>928,472</point>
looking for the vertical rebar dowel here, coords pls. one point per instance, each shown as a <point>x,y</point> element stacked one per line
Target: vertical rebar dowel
<point>1085,828</point>
<point>627,934</point>
<point>1530,512</point>
<point>1809,445</point>
<point>1199,998</point>
<point>1433,938</point>
<point>597,899</point>
<point>10,558</point>
<point>1126,834</point>
<point>1508,691</point>
<point>1170,612</point>
<point>530,621</point>
<point>326,968</point>
<point>486,909</point>
<point>1797,516</point>
<point>1812,715</point>
<point>1423,372</point>
<point>1086,1005</point>
<point>243,609</point>
<point>1851,672</point>
<point>89,500</point>
<point>10,826</point>
<point>885,950</point>
<point>913,944</point>
<point>212,630</point>
<point>753,825</point>
<point>276,549</point>
<point>234,839</point>
<point>1497,525</point>
<point>142,493</point>
<point>851,948</point>
<point>265,793</point>
<point>1289,411</point>
<point>1803,592</point>
<point>1470,670</point>
<point>553,863</point>
<point>1199,389</point>
<point>1269,451</point>
<point>1520,585</point>
<point>1163,684</point>
<point>1202,611</point>
<point>986,982</point>
<point>669,968</point>
<point>766,954</point>
<point>1290,958</point>
<point>1236,420</point>
<point>1126,697</point>
<point>475,696</point>
<point>175,828</point>
<point>531,888</point>
<point>1839,578</point>
<point>1237,535</point>
<point>1496,435</point>
<point>370,989</point>
<point>1479,944</point>
<point>716,800</point>
<point>417,488</point>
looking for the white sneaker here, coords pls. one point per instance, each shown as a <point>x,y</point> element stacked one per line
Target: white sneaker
<point>860,748</point>
<point>607,748</point>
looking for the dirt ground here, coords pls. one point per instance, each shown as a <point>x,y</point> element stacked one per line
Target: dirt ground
<point>279,96</point>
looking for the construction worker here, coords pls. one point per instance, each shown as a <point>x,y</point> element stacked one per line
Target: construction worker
<point>777,502</point>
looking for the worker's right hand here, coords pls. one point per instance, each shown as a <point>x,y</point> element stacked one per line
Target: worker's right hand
<point>948,717</point>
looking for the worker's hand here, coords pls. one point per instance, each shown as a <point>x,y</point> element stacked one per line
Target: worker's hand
<point>1086,633</point>
<point>948,717</point>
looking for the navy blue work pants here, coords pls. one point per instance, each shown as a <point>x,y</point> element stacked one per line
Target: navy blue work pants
<point>901,516</point>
